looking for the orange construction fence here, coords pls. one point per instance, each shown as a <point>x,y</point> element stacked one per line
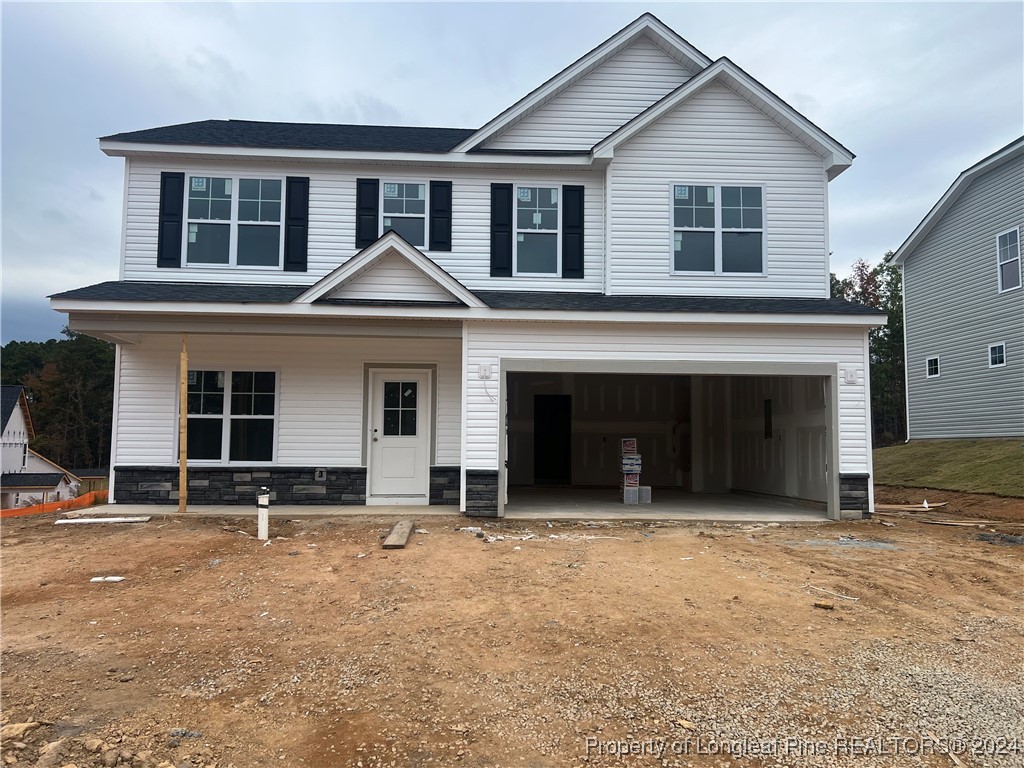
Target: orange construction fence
<point>85,500</point>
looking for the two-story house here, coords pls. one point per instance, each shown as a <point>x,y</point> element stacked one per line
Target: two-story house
<point>964,307</point>
<point>387,315</point>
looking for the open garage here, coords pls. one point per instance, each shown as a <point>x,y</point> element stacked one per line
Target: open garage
<point>710,438</point>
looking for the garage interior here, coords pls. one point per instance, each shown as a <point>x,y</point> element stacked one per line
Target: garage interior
<point>711,441</point>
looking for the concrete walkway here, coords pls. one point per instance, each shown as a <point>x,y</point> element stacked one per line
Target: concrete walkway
<point>535,504</point>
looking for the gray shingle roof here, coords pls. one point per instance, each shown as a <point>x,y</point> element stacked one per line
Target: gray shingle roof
<point>31,479</point>
<point>596,302</point>
<point>525,300</point>
<point>234,293</point>
<point>317,136</point>
<point>9,394</point>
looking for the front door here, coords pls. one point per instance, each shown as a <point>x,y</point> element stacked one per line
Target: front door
<point>399,437</point>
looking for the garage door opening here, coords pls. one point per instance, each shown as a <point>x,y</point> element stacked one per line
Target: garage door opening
<point>706,441</point>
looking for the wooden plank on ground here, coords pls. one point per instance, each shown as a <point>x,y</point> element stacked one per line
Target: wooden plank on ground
<point>910,507</point>
<point>87,520</point>
<point>399,534</point>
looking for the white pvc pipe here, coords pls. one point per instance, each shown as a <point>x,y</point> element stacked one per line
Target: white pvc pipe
<point>263,517</point>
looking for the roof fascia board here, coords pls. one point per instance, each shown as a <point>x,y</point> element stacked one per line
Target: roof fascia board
<point>136,149</point>
<point>644,24</point>
<point>952,194</point>
<point>126,310</point>
<point>835,154</point>
<point>26,413</point>
<point>389,243</point>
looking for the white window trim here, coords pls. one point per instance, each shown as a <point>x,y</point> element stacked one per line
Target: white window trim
<point>995,346</point>
<point>557,274</point>
<point>999,264</point>
<point>938,365</point>
<point>233,222</point>
<point>225,433</point>
<point>718,271</point>
<point>426,207</point>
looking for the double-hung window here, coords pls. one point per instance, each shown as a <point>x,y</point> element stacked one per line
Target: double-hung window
<point>997,355</point>
<point>537,249</point>
<point>1008,250</point>
<point>931,367</point>
<point>233,220</point>
<point>231,415</point>
<point>717,229</point>
<point>404,210</point>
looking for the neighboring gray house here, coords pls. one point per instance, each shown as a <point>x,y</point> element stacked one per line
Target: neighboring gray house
<point>964,306</point>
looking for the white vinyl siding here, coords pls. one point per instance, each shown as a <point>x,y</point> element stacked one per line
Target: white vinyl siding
<point>392,277</point>
<point>488,343</point>
<point>332,219</point>
<point>953,307</point>
<point>716,137</point>
<point>320,392</point>
<point>15,441</point>
<point>599,102</point>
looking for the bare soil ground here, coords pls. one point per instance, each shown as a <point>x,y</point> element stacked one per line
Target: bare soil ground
<point>982,506</point>
<point>687,641</point>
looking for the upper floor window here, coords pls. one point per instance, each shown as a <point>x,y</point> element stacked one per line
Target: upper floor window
<point>717,229</point>
<point>234,221</point>
<point>932,367</point>
<point>997,355</point>
<point>1008,250</point>
<point>404,210</point>
<point>536,233</point>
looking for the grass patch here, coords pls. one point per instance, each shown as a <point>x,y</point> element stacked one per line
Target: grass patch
<point>972,466</point>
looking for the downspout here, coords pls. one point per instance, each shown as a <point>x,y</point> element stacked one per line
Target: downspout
<point>607,229</point>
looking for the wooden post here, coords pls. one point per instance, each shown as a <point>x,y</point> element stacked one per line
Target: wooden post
<point>183,429</point>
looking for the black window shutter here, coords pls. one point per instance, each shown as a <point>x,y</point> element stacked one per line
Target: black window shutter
<point>440,216</point>
<point>572,232</point>
<point>367,211</point>
<point>296,222</point>
<point>501,230</point>
<point>172,207</point>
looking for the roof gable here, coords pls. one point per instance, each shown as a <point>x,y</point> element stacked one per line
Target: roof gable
<point>836,157</point>
<point>647,26</point>
<point>599,102</point>
<point>389,263</point>
<point>12,395</point>
<point>1012,150</point>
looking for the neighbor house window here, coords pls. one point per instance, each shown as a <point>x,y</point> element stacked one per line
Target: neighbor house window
<point>24,455</point>
<point>932,367</point>
<point>231,415</point>
<point>717,229</point>
<point>997,355</point>
<point>537,222</point>
<point>404,210</point>
<point>1008,250</point>
<point>234,221</point>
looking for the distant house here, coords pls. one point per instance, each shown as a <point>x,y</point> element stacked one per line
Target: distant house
<point>28,477</point>
<point>964,306</point>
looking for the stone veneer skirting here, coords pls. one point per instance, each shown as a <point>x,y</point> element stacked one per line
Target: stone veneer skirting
<point>241,485</point>
<point>445,485</point>
<point>853,493</point>
<point>288,485</point>
<point>482,492</point>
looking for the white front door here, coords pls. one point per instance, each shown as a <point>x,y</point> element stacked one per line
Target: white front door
<point>399,437</point>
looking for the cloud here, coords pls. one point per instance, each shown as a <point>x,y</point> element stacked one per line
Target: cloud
<point>919,91</point>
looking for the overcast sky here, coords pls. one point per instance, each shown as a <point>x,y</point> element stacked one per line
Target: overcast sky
<point>918,91</point>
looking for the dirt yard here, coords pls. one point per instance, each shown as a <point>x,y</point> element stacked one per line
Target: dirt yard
<point>599,645</point>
